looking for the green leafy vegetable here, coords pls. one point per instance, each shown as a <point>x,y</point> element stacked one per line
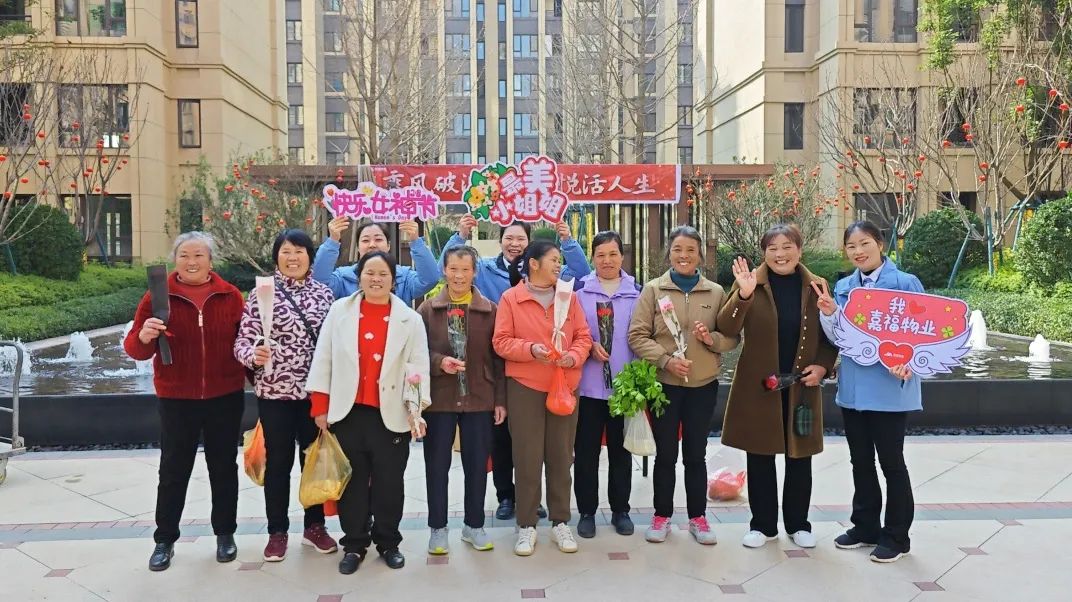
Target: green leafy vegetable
<point>635,388</point>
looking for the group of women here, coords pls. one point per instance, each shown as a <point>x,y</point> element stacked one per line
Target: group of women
<point>349,355</point>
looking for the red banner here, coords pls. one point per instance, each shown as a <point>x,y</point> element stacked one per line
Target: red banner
<point>658,184</point>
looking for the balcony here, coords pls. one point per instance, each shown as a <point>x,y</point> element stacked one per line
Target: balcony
<point>12,24</point>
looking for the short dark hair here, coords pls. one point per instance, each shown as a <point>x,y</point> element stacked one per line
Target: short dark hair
<point>296,237</point>
<point>462,251</point>
<point>607,236</point>
<point>383,228</point>
<point>392,264</point>
<point>867,228</point>
<point>519,268</point>
<point>523,225</point>
<point>790,231</point>
<point>687,232</point>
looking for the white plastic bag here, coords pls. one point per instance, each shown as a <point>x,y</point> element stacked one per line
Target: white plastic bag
<point>639,439</point>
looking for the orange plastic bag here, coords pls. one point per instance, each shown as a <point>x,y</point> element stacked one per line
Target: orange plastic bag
<point>560,399</point>
<point>253,453</point>
<point>723,485</point>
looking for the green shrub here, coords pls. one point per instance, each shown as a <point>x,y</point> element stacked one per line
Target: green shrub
<point>1021,314</point>
<point>545,233</point>
<point>95,280</point>
<point>1044,251</point>
<point>438,237</point>
<point>932,244</point>
<point>242,275</point>
<point>52,246</point>
<point>827,263</point>
<point>65,317</point>
<point>1005,279</point>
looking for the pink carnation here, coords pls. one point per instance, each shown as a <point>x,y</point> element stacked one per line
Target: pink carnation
<point>413,379</point>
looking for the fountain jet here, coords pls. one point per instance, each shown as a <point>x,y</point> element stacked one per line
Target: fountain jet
<point>1039,350</point>
<point>977,338</point>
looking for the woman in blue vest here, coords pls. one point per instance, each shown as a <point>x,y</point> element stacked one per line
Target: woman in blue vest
<point>875,402</point>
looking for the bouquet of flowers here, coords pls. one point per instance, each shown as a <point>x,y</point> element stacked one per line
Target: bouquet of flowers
<point>414,401</point>
<point>265,293</point>
<point>605,316</point>
<point>777,382</point>
<point>458,335</point>
<point>666,309</point>
<point>563,296</point>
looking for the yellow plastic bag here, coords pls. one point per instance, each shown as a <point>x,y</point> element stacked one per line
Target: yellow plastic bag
<point>327,471</point>
<point>253,453</point>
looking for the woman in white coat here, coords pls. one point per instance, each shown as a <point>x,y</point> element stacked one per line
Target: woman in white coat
<point>369,384</point>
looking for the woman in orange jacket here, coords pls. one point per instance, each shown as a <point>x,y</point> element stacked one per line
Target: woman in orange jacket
<point>523,337</point>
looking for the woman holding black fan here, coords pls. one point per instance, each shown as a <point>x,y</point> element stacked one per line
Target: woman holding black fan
<point>775,403</point>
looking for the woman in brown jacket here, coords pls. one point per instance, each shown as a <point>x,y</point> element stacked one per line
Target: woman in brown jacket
<point>468,393</point>
<point>776,310</point>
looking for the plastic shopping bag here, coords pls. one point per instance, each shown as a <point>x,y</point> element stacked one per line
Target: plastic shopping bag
<point>253,453</point>
<point>327,471</point>
<point>560,399</point>
<point>723,485</point>
<point>638,436</point>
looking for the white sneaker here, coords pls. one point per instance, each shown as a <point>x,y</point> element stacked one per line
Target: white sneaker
<point>756,539</point>
<point>563,536</point>
<point>526,541</point>
<point>804,539</point>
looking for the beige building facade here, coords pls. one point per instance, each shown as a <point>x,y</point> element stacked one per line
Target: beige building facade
<point>160,83</point>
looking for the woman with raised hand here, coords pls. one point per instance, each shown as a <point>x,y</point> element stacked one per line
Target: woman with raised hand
<point>673,327</point>
<point>776,311</point>
<point>875,403</point>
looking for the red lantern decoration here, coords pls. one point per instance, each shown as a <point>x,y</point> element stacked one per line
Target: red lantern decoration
<point>982,178</point>
<point>1021,81</point>
<point>1064,107</point>
<point>946,144</point>
<point>229,188</point>
<point>1062,144</point>
<point>1019,108</point>
<point>1052,93</point>
<point>227,215</point>
<point>917,174</point>
<point>983,165</point>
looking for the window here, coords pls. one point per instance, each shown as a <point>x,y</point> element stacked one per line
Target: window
<point>793,126</point>
<point>502,126</point>
<point>525,124</point>
<point>296,115</point>
<point>332,41</point>
<point>457,44</point>
<point>459,158</point>
<point>794,25</point>
<point>480,50</point>
<point>557,8</point>
<point>463,124</point>
<point>481,128</point>
<point>334,6</point>
<point>334,122</point>
<point>883,116</point>
<point>524,84</point>
<point>190,123</point>
<point>296,155</point>
<point>904,21</point>
<point>91,113</point>
<point>334,82</point>
<point>463,84</point>
<point>502,11</point>
<point>14,130</point>
<point>525,8</point>
<point>520,156</point>
<point>957,108</point>
<point>456,8</point>
<point>294,73</point>
<point>96,18</point>
<point>965,23</point>
<point>866,17</point>
<point>553,44</point>
<point>684,75</point>
<point>479,12</point>
<point>465,8</point>
<point>684,155</point>
<point>335,157</point>
<point>526,47</point>
<point>876,207</point>
<point>186,34</point>
<point>294,31</point>
<point>502,88</point>
<point>684,115</point>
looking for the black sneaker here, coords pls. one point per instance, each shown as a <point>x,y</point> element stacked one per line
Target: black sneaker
<point>349,563</point>
<point>541,511</point>
<point>161,558</point>
<point>846,541</point>
<point>623,525</point>
<point>394,558</point>
<point>505,511</point>
<point>586,527</point>
<point>886,555</point>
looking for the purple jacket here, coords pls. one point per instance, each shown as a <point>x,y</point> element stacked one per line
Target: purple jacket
<point>623,301</point>
<point>292,345</point>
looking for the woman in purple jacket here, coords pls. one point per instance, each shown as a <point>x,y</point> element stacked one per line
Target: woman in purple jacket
<point>299,309</point>
<point>607,297</point>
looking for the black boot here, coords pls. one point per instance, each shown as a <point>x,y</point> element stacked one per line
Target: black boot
<point>505,511</point>
<point>226,550</point>
<point>394,558</point>
<point>161,558</point>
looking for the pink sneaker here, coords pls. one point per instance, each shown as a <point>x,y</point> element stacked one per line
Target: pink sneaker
<point>276,549</point>
<point>317,536</point>
<point>701,531</point>
<point>659,529</point>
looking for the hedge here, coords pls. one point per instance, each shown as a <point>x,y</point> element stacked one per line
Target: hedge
<point>95,280</point>
<point>52,247</point>
<point>65,317</point>
<point>1022,314</point>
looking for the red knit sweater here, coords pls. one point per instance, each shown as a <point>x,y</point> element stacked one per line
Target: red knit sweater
<point>371,343</point>
<point>202,342</point>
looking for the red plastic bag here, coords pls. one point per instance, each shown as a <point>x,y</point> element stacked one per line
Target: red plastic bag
<point>560,399</point>
<point>253,453</point>
<point>723,485</point>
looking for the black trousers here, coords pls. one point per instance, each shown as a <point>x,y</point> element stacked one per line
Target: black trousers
<point>476,429</point>
<point>763,487</point>
<point>378,457</point>
<point>593,417</point>
<point>883,433</point>
<point>502,461</point>
<point>183,422</point>
<point>286,423</point>
<point>690,409</point>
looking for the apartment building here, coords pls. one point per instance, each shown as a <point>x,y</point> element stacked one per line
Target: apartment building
<point>159,84</point>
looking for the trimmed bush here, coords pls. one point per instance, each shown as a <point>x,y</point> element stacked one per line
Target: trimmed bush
<point>52,248</point>
<point>65,317</point>
<point>95,280</point>
<point>1022,314</point>
<point>932,244</point>
<point>438,237</point>
<point>1044,252</point>
<point>1005,279</point>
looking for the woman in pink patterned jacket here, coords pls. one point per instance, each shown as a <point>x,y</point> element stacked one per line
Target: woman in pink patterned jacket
<point>299,309</point>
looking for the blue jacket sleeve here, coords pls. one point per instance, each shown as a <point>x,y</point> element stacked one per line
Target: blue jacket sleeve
<point>425,267</point>
<point>576,263</point>
<point>324,267</point>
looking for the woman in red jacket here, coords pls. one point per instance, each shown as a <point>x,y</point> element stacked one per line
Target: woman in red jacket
<point>200,392</point>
